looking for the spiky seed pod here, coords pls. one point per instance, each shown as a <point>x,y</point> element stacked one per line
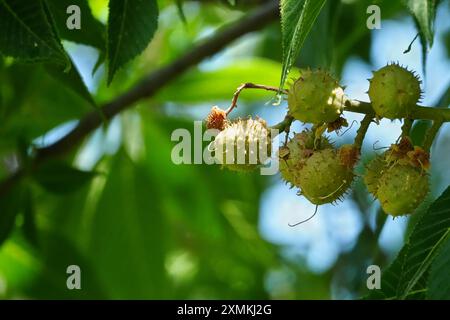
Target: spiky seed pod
<point>243,145</point>
<point>323,179</point>
<point>401,189</point>
<point>293,155</point>
<point>394,91</point>
<point>315,97</point>
<point>374,170</point>
<point>216,119</point>
<point>400,154</point>
<point>312,164</point>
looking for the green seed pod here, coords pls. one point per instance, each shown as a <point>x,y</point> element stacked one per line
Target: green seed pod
<point>394,92</point>
<point>374,170</point>
<point>315,97</point>
<point>243,145</point>
<point>401,189</point>
<point>323,179</point>
<point>294,154</point>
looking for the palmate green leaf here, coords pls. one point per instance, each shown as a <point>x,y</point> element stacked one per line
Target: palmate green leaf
<point>425,240</point>
<point>439,280</point>
<point>406,277</point>
<point>424,13</point>
<point>27,34</point>
<point>427,236</point>
<point>131,26</point>
<point>58,177</point>
<point>297,19</point>
<point>30,35</point>
<point>92,32</point>
<point>70,77</point>
<point>391,277</point>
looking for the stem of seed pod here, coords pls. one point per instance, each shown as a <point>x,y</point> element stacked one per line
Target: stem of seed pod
<point>283,126</point>
<point>431,134</point>
<point>406,127</point>
<point>365,123</point>
<point>250,85</point>
<point>419,112</point>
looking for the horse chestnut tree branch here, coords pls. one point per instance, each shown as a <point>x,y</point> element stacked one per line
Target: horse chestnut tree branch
<point>309,161</point>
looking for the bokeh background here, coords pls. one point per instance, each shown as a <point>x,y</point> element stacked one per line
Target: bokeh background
<point>145,228</point>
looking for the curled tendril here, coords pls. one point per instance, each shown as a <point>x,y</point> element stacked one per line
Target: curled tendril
<point>303,221</point>
<point>346,130</point>
<point>379,148</point>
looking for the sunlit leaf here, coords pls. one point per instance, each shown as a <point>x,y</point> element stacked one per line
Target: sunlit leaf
<point>297,19</point>
<point>424,12</point>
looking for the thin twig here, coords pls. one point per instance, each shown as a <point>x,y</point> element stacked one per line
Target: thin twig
<point>410,44</point>
<point>306,220</point>
<point>248,85</point>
